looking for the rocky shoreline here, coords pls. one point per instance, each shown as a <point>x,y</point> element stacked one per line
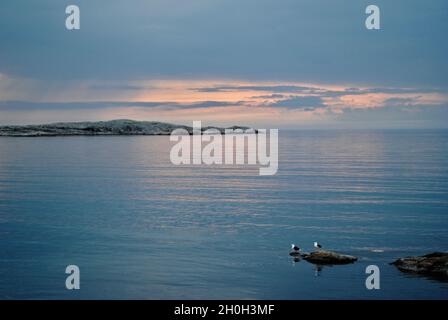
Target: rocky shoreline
<point>433,264</point>
<point>101,128</point>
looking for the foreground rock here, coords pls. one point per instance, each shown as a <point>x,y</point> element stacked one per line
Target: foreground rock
<point>114,127</point>
<point>434,264</point>
<point>328,257</point>
<point>296,254</point>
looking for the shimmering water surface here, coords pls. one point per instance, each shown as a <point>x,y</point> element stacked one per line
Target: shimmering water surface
<point>139,227</point>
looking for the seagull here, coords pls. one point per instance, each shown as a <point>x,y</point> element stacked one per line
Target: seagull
<point>295,251</point>
<point>317,245</point>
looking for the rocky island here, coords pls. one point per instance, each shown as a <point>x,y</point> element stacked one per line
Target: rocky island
<point>433,264</point>
<point>103,128</point>
<point>324,257</point>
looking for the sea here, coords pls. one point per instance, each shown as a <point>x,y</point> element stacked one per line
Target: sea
<point>139,227</point>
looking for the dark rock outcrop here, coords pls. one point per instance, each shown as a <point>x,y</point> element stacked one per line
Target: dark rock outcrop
<point>434,264</point>
<point>323,257</point>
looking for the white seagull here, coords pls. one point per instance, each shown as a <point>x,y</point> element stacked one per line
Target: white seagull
<point>317,245</point>
<point>295,251</point>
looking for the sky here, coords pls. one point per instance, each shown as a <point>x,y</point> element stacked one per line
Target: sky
<point>264,63</point>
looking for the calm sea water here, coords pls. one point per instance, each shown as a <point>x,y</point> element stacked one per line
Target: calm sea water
<point>139,227</point>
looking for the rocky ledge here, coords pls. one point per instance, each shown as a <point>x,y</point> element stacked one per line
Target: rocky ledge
<point>434,264</point>
<point>113,127</point>
<point>328,257</point>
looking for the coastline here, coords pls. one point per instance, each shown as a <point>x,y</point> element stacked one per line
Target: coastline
<point>121,127</point>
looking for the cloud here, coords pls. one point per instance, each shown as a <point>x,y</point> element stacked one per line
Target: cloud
<point>36,106</point>
<point>401,101</point>
<point>307,103</point>
<point>209,104</point>
<point>274,88</point>
<point>121,87</point>
<point>316,90</point>
<point>233,100</point>
<point>271,96</point>
<point>296,41</point>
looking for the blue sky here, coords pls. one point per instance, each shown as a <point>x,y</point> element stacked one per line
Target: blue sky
<point>278,63</point>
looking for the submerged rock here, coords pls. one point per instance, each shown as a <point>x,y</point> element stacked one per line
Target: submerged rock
<point>434,264</point>
<point>323,257</point>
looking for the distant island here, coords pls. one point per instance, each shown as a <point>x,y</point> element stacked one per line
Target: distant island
<point>100,128</point>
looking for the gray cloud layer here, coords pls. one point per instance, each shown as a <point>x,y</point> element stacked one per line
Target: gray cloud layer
<point>311,40</point>
<point>29,106</point>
